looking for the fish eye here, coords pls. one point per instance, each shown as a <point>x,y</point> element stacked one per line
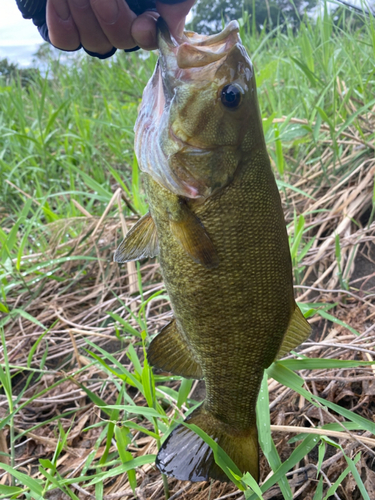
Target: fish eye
<point>231,96</point>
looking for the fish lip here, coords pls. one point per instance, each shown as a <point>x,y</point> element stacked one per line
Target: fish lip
<point>190,50</point>
<point>164,35</point>
<point>232,27</point>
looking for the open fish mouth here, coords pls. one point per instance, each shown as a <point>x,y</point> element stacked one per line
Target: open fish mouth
<point>193,50</point>
<point>192,57</point>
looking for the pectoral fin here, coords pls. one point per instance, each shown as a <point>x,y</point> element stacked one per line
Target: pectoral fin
<point>140,242</point>
<point>184,225</point>
<point>169,351</point>
<point>192,236</point>
<point>298,331</point>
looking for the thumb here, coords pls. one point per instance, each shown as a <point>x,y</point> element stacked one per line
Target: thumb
<point>174,15</point>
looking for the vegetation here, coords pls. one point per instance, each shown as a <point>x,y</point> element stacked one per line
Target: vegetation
<point>82,414</point>
<point>10,71</point>
<point>208,15</point>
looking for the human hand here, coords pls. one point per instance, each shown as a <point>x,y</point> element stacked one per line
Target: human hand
<point>100,25</point>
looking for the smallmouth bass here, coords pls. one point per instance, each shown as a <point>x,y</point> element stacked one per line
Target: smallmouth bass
<point>217,224</point>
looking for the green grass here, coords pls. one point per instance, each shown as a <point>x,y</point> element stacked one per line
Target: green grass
<point>66,146</point>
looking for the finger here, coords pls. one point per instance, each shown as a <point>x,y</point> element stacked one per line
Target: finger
<point>115,19</point>
<point>62,31</point>
<point>90,31</point>
<point>174,15</point>
<point>143,30</point>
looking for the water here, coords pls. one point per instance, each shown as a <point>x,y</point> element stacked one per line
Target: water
<point>23,55</point>
<point>19,38</point>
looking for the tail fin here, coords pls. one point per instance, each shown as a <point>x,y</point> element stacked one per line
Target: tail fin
<point>184,455</point>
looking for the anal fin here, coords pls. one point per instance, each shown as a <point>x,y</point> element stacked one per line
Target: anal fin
<point>140,242</point>
<point>170,352</point>
<point>194,239</point>
<point>298,331</point>
<point>184,455</point>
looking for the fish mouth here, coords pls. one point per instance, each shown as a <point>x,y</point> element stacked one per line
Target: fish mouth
<point>192,50</point>
<point>192,57</point>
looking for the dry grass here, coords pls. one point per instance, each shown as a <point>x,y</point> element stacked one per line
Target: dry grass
<point>73,303</point>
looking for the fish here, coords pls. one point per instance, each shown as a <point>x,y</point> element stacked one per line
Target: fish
<point>216,223</point>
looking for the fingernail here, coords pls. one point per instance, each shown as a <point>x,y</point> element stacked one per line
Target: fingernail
<point>107,10</point>
<point>62,9</point>
<point>178,30</point>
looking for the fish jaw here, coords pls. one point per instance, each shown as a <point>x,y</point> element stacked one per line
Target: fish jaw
<point>184,137</point>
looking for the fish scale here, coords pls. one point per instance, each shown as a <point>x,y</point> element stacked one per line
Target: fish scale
<point>220,315</point>
<point>217,224</point>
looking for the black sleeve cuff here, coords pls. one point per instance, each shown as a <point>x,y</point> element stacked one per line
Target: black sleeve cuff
<point>171,2</point>
<point>100,56</point>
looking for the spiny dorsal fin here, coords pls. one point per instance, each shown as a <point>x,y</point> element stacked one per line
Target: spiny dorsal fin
<point>184,455</point>
<point>192,236</point>
<point>140,242</point>
<point>298,331</point>
<point>169,351</point>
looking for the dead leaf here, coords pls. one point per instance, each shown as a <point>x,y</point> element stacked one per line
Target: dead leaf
<point>4,448</point>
